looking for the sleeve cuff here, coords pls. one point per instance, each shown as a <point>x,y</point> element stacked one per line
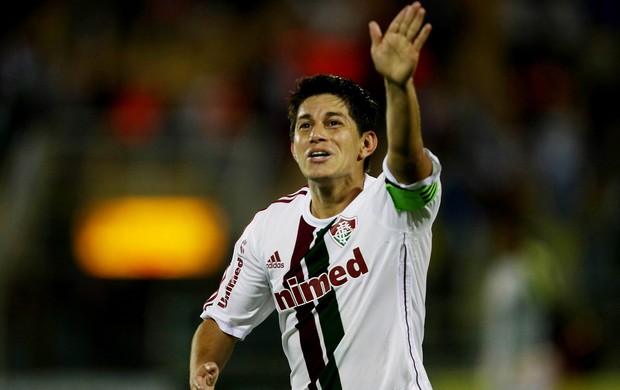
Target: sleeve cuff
<point>419,184</point>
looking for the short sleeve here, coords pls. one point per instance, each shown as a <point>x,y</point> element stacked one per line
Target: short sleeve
<point>414,196</point>
<point>243,299</point>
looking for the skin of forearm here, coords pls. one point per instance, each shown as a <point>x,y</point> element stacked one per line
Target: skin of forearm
<point>210,344</point>
<point>406,158</point>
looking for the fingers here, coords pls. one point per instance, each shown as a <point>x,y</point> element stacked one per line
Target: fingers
<point>206,377</point>
<point>408,22</point>
<point>415,21</point>
<point>410,15</point>
<point>395,26</point>
<point>197,382</point>
<point>418,43</point>
<point>212,373</point>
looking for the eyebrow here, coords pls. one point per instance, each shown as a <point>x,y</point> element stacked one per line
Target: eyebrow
<point>327,115</point>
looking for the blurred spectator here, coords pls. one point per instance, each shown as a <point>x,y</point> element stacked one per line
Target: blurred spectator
<point>227,145</point>
<point>521,288</point>
<point>24,88</point>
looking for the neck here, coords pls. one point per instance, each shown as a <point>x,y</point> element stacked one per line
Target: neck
<point>329,199</point>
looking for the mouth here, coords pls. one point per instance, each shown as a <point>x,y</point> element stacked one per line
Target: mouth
<point>318,156</point>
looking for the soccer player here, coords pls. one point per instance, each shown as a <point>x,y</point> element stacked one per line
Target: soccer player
<point>344,259</point>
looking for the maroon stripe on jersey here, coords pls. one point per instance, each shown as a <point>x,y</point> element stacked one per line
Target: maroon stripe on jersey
<point>306,325</point>
<point>310,343</point>
<point>209,301</point>
<point>289,198</point>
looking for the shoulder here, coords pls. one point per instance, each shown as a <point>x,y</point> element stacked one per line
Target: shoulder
<point>271,224</point>
<point>287,205</point>
<point>290,198</point>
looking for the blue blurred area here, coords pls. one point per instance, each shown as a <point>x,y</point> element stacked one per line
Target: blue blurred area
<point>109,98</point>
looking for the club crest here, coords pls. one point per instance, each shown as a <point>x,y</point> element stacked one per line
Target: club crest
<point>342,229</point>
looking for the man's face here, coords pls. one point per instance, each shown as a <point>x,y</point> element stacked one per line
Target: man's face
<point>327,144</point>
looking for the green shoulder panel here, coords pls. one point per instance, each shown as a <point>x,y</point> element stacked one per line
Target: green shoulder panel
<point>410,200</point>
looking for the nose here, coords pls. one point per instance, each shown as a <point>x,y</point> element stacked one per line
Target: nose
<point>318,133</point>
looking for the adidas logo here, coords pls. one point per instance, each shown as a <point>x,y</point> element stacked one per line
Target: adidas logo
<point>274,261</point>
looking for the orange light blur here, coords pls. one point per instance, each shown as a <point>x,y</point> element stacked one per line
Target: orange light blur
<point>151,237</point>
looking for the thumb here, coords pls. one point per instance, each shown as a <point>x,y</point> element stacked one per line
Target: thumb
<point>212,374</point>
<point>375,33</point>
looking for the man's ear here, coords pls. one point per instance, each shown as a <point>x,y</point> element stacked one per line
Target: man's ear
<point>370,141</point>
<point>293,151</point>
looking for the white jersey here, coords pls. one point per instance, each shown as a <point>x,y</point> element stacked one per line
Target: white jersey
<point>349,290</point>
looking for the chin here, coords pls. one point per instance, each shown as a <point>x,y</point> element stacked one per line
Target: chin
<point>317,176</point>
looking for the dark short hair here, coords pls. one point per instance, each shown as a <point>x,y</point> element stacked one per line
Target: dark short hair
<point>362,108</point>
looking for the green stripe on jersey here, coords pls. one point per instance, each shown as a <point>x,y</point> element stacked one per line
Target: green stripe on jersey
<point>317,261</point>
<point>410,200</point>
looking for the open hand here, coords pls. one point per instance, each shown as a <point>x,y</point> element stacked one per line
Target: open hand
<point>396,53</point>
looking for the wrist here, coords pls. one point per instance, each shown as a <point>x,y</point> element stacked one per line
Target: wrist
<point>398,84</point>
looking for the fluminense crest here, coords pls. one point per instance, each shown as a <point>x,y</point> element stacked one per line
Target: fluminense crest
<point>343,228</point>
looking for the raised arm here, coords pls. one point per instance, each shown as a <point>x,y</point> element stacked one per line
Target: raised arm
<point>211,349</point>
<point>395,55</point>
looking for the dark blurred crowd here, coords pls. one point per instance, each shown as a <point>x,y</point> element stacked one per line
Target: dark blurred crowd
<point>518,100</point>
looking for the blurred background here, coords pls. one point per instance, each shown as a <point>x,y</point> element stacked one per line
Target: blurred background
<point>138,138</point>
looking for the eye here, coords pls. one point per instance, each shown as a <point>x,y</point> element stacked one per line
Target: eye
<point>305,126</point>
<point>333,123</point>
